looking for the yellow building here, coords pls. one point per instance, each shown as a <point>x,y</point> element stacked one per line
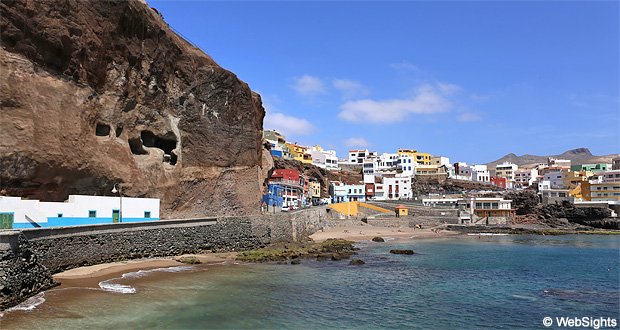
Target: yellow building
<point>299,153</point>
<point>607,191</point>
<point>572,179</point>
<point>420,158</point>
<point>506,171</point>
<point>428,169</point>
<point>315,190</point>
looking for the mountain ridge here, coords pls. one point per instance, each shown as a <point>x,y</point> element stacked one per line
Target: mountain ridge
<point>576,156</point>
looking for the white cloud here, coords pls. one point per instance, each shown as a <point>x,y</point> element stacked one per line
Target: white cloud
<point>404,65</point>
<point>449,89</point>
<point>468,117</point>
<point>288,125</point>
<point>350,89</point>
<point>357,142</point>
<point>285,124</point>
<point>308,85</point>
<point>426,100</point>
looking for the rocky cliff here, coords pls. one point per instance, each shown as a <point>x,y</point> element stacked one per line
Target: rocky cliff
<point>95,93</point>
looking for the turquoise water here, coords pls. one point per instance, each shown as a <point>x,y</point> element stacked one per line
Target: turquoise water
<point>506,282</point>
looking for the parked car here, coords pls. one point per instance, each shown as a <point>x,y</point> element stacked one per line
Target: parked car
<point>285,209</point>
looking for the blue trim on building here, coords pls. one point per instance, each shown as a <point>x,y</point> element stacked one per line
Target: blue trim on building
<point>277,153</point>
<point>66,221</point>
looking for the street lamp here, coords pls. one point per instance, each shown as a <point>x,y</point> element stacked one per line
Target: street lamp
<point>120,196</point>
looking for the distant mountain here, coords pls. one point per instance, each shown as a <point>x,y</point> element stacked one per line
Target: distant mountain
<point>576,156</point>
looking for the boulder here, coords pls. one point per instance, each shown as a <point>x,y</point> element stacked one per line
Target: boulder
<point>378,239</point>
<point>356,262</point>
<point>397,251</point>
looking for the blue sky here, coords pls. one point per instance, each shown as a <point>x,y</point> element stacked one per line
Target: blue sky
<point>472,81</point>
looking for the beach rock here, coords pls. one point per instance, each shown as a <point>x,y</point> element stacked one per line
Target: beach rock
<point>356,262</point>
<point>378,239</point>
<point>295,262</point>
<point>320,258</point>
<point>336,257</point>
<point>189,260</point>
<point>397,251</point>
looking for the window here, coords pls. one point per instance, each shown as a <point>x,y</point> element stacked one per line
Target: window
<point>60,215</point>
<point>478,205</point>
<point>92,214</point>
<point>147,214</point>
<point>495,205</point>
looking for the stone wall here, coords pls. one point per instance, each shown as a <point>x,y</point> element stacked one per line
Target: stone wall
<point>21,273</point>
<point>28,257</point>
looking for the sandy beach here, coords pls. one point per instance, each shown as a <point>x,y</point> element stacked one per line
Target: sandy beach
<point>72,277</point>
<point>356,233</point>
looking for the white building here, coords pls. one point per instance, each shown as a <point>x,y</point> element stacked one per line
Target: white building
<point>358,156</point>
<point>326,159</point>
<point>78,210</point>
<point>480,173</point>
<point>393,188</point>
<point>406,165</point>
<point>607,176</point>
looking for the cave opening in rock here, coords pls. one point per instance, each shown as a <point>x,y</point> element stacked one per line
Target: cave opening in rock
<point>119,130</point>
<point>135,144</point>
<point>102,129</point>
<point>167,143</point>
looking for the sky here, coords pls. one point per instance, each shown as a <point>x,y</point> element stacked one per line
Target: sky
<point>469,80</point>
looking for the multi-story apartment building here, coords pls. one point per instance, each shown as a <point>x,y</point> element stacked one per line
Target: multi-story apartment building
<point>299,153</point>
<point>506,170</point>
<point>326,159</point>
<point>315,192</point>
<point>556,180</point>
<point>342,193</point>
<point>525,177</point>
<point>392,187</point>
<point>591,167</point>
<point>603,191</point>
<point>420,158</point>
<point>573,178</point>
<point>358,156</point>
<point>489,207</point>
<point>294,186</point>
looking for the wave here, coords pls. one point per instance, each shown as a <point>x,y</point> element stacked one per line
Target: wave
<point>111,286</point>
<point>30,304</point>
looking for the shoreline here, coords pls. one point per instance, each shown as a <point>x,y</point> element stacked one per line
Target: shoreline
<point>358,233</point>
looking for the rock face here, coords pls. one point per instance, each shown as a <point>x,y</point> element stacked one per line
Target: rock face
<point>95,93</point>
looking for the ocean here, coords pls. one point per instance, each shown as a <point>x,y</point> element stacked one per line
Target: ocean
<point>463,282</point>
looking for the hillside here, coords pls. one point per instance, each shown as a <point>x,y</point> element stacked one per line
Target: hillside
<point>576,156</point>
<point>96,93</point>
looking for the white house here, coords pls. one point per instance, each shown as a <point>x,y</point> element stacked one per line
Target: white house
<point>326,159</point>
<point>480,173</point>
<point>393,188</point>
<point>555,179</point>
<point>77,210</point>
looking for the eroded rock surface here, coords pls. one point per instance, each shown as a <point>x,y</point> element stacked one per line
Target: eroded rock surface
<point>95,93</point>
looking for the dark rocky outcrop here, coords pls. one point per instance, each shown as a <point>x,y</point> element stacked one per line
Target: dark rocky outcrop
<point>356,262</point>
<point>95,93</point>
<point>378,239</point>
<point>397,251</point>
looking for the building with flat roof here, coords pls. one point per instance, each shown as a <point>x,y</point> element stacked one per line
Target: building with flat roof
<point>16,213</point>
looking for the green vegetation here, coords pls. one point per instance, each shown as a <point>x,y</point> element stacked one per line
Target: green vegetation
<point>189,260</point>
<point>335,248</point>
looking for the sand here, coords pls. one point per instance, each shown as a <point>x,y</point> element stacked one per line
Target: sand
<point>122,267</point>
<point>357,233</point>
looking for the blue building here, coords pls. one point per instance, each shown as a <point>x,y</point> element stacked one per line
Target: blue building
<point>274,197</point>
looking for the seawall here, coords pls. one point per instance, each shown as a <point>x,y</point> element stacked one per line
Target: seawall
<point>29,257</point>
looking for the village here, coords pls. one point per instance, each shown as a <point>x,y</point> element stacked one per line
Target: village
<point>389,177</point>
